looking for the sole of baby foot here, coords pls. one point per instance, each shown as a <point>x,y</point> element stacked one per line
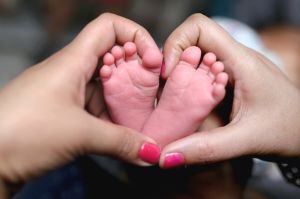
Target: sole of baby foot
<point>130,84</point>
<point>190,94</point>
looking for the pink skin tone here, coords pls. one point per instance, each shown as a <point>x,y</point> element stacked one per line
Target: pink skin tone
<point>192,91</point>
<point>130,84</point>
<point>190,94</point>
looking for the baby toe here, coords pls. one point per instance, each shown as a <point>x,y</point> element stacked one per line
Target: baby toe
<point>222,78</point>
<point>218,92</point>
<point>191,56</point>
<point>208,60</point>
<point>108,59</point>
<point>217,68</point>
<point>119,54</point>
<point>105,72</point>
<point>130,51</point>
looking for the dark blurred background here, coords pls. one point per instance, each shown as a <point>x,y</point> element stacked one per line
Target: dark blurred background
<point>31,30</point>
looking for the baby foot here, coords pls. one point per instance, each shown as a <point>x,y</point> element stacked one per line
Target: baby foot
<point>190,94</point>
<point>130,84</point>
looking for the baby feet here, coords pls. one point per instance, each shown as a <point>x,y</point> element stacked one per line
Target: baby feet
<point>130,84</point>
<point>190,94</point>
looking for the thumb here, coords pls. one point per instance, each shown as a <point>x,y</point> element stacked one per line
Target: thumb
<point>104,138</point>
<point>208,147</point>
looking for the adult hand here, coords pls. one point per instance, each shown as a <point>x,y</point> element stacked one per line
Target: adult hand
<point>266,109</point>
<point>44,123</point>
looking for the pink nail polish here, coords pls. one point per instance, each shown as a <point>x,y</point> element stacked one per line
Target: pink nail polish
<point>173,160</point>
<point>150,153</point>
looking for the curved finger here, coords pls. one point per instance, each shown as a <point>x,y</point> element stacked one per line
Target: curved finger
<point>102,33</point>
<point>198,30</point>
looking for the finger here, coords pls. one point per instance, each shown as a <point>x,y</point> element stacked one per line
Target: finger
<point>100,35</point>
<point>201,31</point>
<point>105,138</point>
<point>208,147</point>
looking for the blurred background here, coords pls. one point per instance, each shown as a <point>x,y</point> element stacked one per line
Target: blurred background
<point>31,30</point>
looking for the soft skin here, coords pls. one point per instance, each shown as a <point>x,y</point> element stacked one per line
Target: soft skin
<point>266,110</point>
<point>50,113</point>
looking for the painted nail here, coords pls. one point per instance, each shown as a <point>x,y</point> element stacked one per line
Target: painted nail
<point>149,153</point>
<point>173,160</point>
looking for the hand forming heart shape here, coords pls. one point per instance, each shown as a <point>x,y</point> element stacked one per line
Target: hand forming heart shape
<point>60,88</point>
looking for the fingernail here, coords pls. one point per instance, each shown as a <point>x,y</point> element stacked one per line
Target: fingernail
<point>163,68</point>
<point>149,153</point>
<point>173,160</point>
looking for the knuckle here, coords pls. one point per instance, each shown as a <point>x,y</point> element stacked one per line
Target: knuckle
<point>105,15</point>
<point>206,152</point>
<point>196,16</point>
<point>126,145</point>
<point>141,33</point>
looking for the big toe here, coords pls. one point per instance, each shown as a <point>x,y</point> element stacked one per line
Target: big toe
<point>152,58</point>
<point>191,56</point>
